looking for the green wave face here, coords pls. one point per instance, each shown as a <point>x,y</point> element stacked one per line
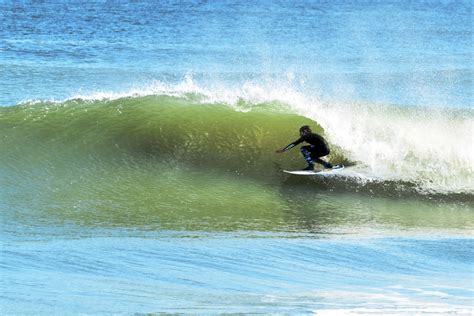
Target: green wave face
<point>136,161</point>
<point>163,129</point>
<point>173,163</point>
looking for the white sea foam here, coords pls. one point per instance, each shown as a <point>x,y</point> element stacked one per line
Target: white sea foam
<point>381,302</point>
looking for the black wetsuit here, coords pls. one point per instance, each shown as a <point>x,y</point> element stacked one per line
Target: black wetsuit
<point>318,148</point>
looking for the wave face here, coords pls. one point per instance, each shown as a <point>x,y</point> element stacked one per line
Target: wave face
<point>239,130</point>
<point>160,128</point>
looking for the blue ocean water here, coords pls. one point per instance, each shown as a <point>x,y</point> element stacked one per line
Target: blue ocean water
<point>121,191</point>
<point>403,52</point>
<point>246,275</point>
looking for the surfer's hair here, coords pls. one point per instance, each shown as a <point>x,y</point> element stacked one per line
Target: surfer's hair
<point>305,129</point>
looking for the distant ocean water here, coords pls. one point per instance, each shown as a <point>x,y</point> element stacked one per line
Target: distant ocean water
<point>137,164</point>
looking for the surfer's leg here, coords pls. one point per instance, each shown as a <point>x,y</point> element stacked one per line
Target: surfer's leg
<point>324,163</point>
<point>306,152</point>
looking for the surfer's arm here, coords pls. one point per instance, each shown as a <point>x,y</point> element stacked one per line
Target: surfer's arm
<point>293,144</point>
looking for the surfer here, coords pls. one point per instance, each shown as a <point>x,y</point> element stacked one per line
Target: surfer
<point>317,148</point>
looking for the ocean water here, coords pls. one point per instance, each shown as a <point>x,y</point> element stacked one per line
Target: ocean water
<point>138,172</point>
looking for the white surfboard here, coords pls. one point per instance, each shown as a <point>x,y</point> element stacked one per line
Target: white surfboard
<point>335,169</point>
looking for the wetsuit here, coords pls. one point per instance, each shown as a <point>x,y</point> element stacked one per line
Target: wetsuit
<point>318,148</point>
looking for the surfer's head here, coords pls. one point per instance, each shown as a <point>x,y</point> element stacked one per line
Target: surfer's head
<point>304,130</point>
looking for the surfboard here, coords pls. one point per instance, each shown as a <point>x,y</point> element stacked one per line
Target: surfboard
<point>334,169</point>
